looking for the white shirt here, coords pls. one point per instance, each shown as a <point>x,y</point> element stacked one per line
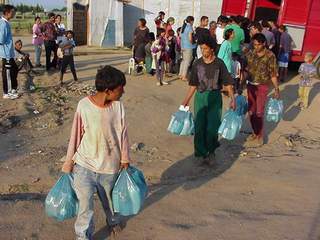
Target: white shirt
<point>219,35</point>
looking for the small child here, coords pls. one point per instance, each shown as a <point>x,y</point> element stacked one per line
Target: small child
<point>98,149</point>
<point>236,70</point>
<point>159,49</point>
<point>178,50</point>
<point>148,58</point>
<point>241,103</point>
<point>307,71</point>
<point>171,52</point>
<point>67,45</point>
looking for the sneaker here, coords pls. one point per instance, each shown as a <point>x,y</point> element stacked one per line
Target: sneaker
<point>10,96</point>
<point>165,83</point>
<point>32,88</point>
<point>14,91</point>
<point>6,96</point>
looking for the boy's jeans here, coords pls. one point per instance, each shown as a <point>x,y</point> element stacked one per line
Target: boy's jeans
<point>86,183</point>
<point>304,95</point>
<point>37,51</point>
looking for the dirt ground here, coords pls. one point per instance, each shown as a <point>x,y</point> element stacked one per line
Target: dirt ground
<point>268,193</point>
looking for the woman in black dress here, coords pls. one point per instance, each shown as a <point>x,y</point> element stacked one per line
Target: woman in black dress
<point>140,39</point>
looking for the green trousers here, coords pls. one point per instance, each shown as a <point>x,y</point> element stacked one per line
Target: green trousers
<point>208,108</point>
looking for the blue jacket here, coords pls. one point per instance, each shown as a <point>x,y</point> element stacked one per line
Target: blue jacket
<point>6,41</point>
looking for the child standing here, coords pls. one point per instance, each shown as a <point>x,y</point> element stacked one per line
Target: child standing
<point>158,49</point>
<point>67,45</point>
<point>236,70</point>
<point>98,149</point>
<point>148,58</point>
<point>307,71</point>
<point>171,51</point>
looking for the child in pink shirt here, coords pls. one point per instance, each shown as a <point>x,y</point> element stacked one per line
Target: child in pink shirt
<point>98,149</point>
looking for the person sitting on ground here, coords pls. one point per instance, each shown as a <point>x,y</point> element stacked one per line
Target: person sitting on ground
<point>22,60</point>
<point>307,72</point>
<point>98,149</point>
<point>67,45</point>
<point>208,75</point>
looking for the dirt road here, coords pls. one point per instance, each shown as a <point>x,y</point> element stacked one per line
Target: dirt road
<point>269,193</point>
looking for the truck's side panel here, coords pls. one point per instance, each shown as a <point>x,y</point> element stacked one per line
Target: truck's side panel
<point>234,7</point>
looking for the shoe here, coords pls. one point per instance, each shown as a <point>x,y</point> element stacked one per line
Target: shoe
<point>210,159</point>
<point>32,88</point>
<point>14,91</point>
<point>10,96</point>
<point>165,83</point>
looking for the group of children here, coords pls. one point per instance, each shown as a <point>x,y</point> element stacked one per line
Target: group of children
<point>163,54</point>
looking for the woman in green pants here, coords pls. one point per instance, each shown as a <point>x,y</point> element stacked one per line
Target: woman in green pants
<point>209,76</point>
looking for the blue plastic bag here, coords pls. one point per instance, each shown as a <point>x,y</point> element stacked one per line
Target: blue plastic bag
<point>182,122</point>
<point>129,192</point>
<point>230,125</point>
<point>61,202</point>
<point>274,110</point>
<point>241,105</point>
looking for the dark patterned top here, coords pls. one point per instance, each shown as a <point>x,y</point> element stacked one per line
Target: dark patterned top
<point>261,69</point>
<point>211,76</point>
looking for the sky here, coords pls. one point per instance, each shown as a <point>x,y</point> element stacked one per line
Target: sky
<point>47,4</point>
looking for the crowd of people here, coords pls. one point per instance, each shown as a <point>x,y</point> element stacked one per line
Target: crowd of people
<point>58,44</point>
<point>226,55</point>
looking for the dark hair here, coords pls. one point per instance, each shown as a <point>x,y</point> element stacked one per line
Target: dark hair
<point>143,22</point>
<point>178,29</point>
<point>283,28</point>
<point>58,15</point>
<point>162,13</point>
<point>256,25</point>
<point>259,37</point>
<point>265,24</point>
<point>188,20</point>
<point>228,33</point>
<point>239,91</point>
<point>151,36</point>
<point>7,8</point>
<point>159,31</point>
<point>203,18</point>
<point>70,31</point>
<point>109,78</point>
<point>36,18</point>
<point>224,19</point>
<point>51,14</point>
<point>171,33</point>
<point>18,41</point>
<point>209,41</point>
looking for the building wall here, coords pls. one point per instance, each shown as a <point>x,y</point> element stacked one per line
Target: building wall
<point>179,9</point>
<point>105,21</point>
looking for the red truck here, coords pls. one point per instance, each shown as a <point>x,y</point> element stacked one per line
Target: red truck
<point>302,18</point>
